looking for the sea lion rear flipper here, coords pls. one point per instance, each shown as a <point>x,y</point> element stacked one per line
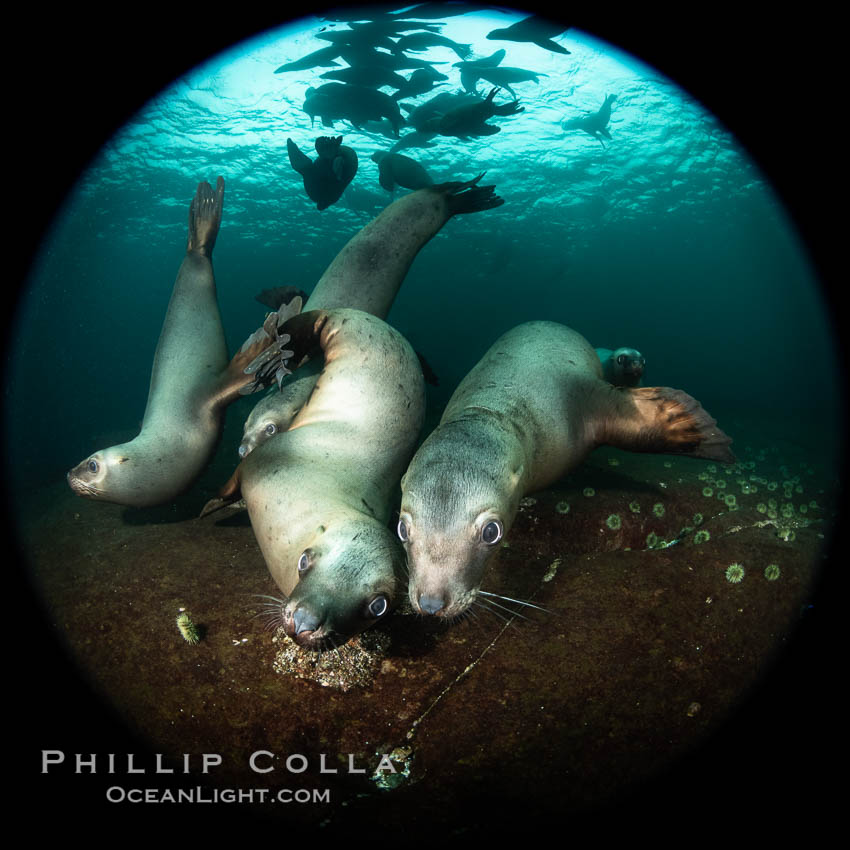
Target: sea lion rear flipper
<point>469,197</point>
<point>659,419</point>
<point>230,493</point>
<point>427,372</point>
<point>298,160</point>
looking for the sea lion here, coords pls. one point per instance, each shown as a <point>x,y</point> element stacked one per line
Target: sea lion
<point>623,367</point>
<point>530,411</point>
<point>421,81</point>
<point>419,41</point>
<point>496,75</point>
<point>367,274</point>
<point>369,270</point>
<point>319,495</point>
<point>594,123</point>
<point>356,104</point>
<point>274,413</point>
<point>395,169</point>
<point>326,178</point>
<point>191,383</point>
<point>534,29</point>
<point>465,121</point>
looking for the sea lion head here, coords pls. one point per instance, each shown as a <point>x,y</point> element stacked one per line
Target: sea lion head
<point>348,579</point>
<point>628,366</point>
<point>264,422</point>
<point>112,475</point>
<point>455,511</point>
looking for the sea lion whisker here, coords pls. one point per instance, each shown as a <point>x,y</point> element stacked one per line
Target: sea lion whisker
<point>267,596</point>
<point>518,601</point>
<point>484,604</point>
<point>505,608</point>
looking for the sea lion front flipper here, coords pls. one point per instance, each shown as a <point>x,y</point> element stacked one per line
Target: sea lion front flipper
<point>298,160</point>
<point>659,419</point>
<point>229,494</point>
<point>247,371</point>
<point>548,44</point>
<point>297,337</point>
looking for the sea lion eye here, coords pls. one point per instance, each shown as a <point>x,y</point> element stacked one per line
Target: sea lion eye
<point>303,563</point>
<point>271,429</point>
<point>402,531</point>
<point>492,532</point>
<point>621,359</point>
<point>378,607</point>
<point>92,465</point>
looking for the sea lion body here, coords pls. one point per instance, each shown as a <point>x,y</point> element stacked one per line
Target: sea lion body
<point>595,123</point>
<point>357,104</point>
<point>395,169</point>
<point>534,29</point>
<point>622,367</point>
<point>191,384</point>
<point>470,120</point>
<point>531,410</point>
<point>368,271</point>
<point>326,178</point>
<point>319,495</point>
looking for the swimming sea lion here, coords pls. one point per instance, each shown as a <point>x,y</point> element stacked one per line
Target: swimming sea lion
<point>326,178</point>
<point>623,367</point>
<point>497,75</point>
<point>357,104</point>
<point>527,413</point>
<point>319,494</point>
<point>465,121</point>
<point>423,40</point>
<point>395,169</point>
<point>368,272</point>
<point>421,81</point>
<point>535,29</point>
<point>191,383</point>
<point>594,123</point>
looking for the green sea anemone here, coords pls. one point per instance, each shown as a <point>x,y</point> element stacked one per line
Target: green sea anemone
<point>187,628</point>
<point>761,507</point>
<point>731,501</point>
<point>697,519</point>
<point>707,492</point>
<point>563,507</point>
<point>658,509</point>
<point>771,572</point>
<point>735,573</point>
<point>702,536</point>
<point>613,522</point>
<point>634,507</point>
<point>651,540</point>
<point>589,491</point>
<point>786,534</point>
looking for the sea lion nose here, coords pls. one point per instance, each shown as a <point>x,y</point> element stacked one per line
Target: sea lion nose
<point>304,621</point>
<point>431,604</point>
